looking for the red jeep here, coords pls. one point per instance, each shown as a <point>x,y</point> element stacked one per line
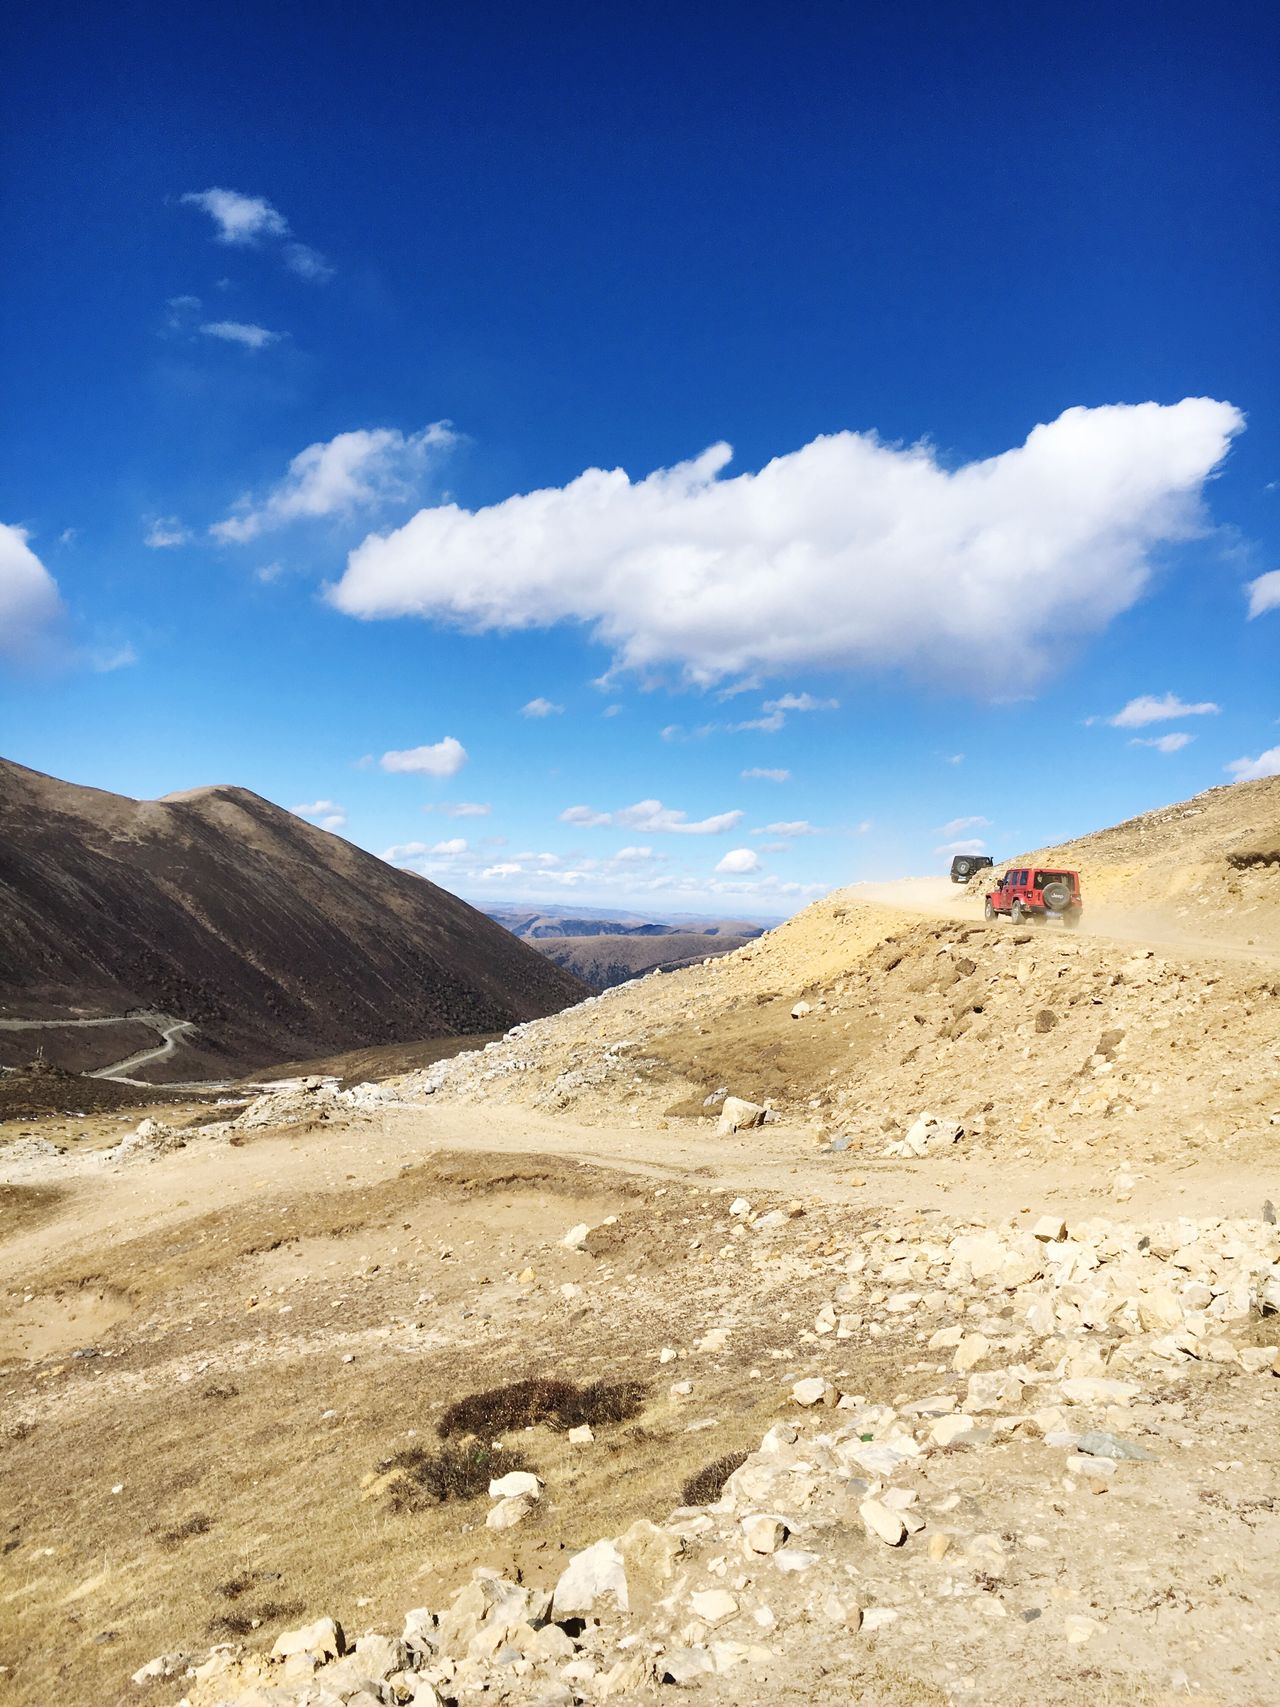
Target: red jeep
<point>1034,893</point>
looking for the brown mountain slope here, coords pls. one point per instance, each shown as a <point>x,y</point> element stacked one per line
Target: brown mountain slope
<point>603,961</point>
<point>274,939</point>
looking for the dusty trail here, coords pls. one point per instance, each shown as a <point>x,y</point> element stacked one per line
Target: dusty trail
<point>939,898</point>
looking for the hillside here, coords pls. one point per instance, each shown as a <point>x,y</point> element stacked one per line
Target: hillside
<point>244,934</point>
<point>605,960</point>
<point>956,1361</point>
<point>1209,866</point>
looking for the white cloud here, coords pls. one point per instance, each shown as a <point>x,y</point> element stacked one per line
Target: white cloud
<point>540,708</point>
<point>326,813</point>
<point>405,850</point>
<point>1158,708</point>
<point>738,861</point>
<point>338,476</point>
<point>764,774</point>
<point>862,828</point>
<point>612,711</point>
<point>848,552</point>
<point>29,601</point>
<point>308,263</point>
<point>452,848</point>
<point>633,856</point>
<point>507,869</point>
<point>652,817</point>
<point>955,758</point>
<point>1264,593</point>
<point>460,808</point>
<point>801,702</point>
<point>165,531</point>
<point>774,847</point>
<point>240,219</point>
<point>1251,770</point>
<point>769,724</point>
<point>958,825</point>
<point>974,845</point>
<point>796,827</point>
<point>445,758</point>
<point>1173,743</point>
<point>238,332</point>
<point>105,659</point>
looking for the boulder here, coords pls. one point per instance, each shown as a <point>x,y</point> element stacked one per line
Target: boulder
<point>324,1638</point>
<point>593,1578</point>
<point>736,1113</point>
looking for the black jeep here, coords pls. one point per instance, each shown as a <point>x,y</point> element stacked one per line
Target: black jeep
<point>963,866</point>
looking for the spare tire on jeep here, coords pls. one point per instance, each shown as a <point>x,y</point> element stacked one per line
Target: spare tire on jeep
<point>1057,895</point>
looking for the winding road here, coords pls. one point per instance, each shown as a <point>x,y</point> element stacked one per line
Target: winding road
<point>169,1030</point>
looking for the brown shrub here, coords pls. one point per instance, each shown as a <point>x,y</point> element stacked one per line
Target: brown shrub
<point>705,1486</point>
<point>559,1404</point>
<point>454,1473</point>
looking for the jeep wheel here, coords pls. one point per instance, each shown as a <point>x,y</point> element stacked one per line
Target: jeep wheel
<point>989,911</point>
<point>1017,912</point>
<point>1057,896</point>
<point>1071,921</point>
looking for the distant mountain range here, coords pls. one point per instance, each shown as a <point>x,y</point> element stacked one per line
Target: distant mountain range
<point>271,939</point>
<point>604,950</point>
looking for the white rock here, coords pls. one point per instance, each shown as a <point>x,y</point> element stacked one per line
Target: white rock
<point>1077,1628</point>
<point>789,1559</point>
<point>736,1113</point>
<point>515,1482</point>
<point>323,1638</point>
<point>951,1428</point>
<point>508,1512</point>
<point>800,1010</point>
<point>713,1605</point>
<point>888,1525</point>
<point>592,1577</point>
<point>1049,1228</point>
<point>763,1533</point>
<point>576,1236</point>
<point>811,1391</point>
<point>740,1206</point>
<point>582,1435</point>
<point>970,1352</point>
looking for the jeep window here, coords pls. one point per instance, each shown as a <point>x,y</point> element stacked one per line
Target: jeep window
<point>1043,877</point>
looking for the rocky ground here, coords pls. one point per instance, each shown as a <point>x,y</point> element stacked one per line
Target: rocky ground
<point>888,1309</point>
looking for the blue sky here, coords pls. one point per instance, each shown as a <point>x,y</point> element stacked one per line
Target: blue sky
<point>314,328</point>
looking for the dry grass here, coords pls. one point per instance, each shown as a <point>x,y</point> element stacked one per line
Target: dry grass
<point>23,1207</point>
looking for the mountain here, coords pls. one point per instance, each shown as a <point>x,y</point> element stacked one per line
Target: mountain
<point>271,939</point>
<point>606,949</point>
<point>605,960</point>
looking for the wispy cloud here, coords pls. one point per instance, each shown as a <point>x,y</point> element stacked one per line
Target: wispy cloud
<point>240,332</point>
<point>325,814</point>
<point>973,845</point>
<point>165,532</point>
<point>443,758</point>
<point>958,826</point>
<point>790,827</point>
<point>762,773</point>
<point>1158,708</point>
<point>460,808</point>
<point>339,476</point>
<point>1173,743</point>
<point>104,659</point>
<point>845,553</point>
<point>541,708</point>
<point>244,222</point>
<point>652,817</point>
